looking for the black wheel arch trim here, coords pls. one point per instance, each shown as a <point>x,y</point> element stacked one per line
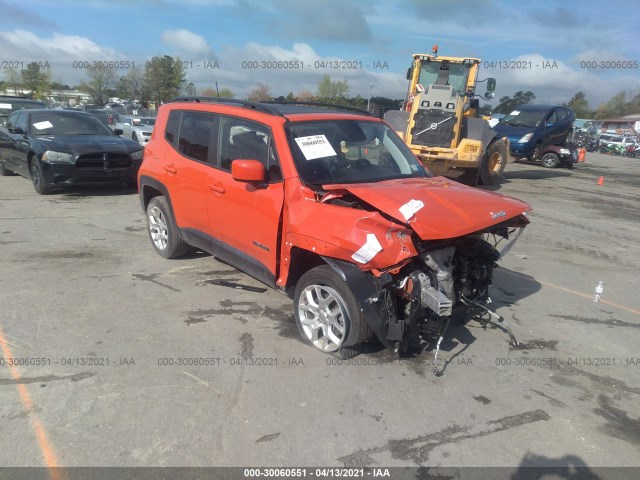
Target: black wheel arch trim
<point>368,291</point>
<point>146,181</point>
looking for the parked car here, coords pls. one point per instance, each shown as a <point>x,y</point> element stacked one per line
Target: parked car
<point>9,104</point>
<point>138,129</point>
<point>56,148</point>
<point>105,115</point>
<point>565,155</point>
<point>330,207</point>
<point>619,140</point>
<point>530,128</point>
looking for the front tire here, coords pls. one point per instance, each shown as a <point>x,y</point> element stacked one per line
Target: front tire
<point>550,160</point>
<point>39,183</point>
<point>536,152</point>
<point>163,231</point>
<point>493,163</point>
<point>327,314</point>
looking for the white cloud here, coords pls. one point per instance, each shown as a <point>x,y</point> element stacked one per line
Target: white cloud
<point>187,42</point>
<point>21,43</point>
<point>554,81</point>
<point>235,72</point>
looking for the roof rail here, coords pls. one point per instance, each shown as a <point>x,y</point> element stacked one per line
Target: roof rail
<point>321,104</point>
<point>230,101</point>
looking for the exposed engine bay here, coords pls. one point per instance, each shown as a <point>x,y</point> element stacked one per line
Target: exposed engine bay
<point>447,276</point>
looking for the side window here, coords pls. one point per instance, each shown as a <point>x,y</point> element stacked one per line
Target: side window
<point>242,139</point>
<point>197,129</point>
<point>11,121</point>
<point>552,117</point>
<point>561,114</point>
<point>173,127</point>
<point>21,122</point>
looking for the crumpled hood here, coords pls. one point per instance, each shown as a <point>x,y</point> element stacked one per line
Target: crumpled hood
<point>450,208</point>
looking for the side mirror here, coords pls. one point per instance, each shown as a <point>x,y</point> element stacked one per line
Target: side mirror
<point>550,124</point>
<point>16,130</point>
<point>491,85</point>
<point>489,95</point>
<point>409,73</point>
<point>118,131</point>
<point>248,171</point>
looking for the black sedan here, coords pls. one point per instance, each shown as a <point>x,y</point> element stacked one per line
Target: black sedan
<point>55,148</point>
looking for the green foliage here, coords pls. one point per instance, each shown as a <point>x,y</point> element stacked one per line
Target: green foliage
<point>508,104</point>
<point>100,83</point>
<point>225,92</point>
<point>580,105</point>
<point>37,80</point>
<point>132,86</point>
<point>620,105</point>
<point>486,109</point>
<point>164,78</point>
<point>332,92</point>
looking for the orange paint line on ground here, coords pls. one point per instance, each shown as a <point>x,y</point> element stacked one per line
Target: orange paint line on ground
<point>574,292</point>
<point>46,448</point>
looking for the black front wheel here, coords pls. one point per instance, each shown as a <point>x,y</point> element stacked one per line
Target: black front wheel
<point>536,152</point>
<point>493,163</point>
<point>39,183</point>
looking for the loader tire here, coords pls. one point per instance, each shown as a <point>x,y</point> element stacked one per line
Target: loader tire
<point>493,163</point>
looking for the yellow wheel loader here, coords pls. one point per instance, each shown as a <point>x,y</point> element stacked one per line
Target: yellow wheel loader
<point>441,122</point>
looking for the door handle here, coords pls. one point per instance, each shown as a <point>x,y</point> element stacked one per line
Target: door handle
<point>217,188</point>
<point>170,169</point>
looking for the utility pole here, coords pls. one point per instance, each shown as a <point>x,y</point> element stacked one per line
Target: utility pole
<point>369,99</point>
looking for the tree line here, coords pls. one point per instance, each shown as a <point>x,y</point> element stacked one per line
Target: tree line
<point>620,105</point>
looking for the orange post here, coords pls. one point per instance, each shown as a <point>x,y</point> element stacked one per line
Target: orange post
<point>601,180</point>
<point>581,154</point>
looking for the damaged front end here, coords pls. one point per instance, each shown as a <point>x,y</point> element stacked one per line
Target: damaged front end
<point>447,277</point>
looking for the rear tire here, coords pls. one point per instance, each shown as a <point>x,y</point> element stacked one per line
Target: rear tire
<point>493,163</point>
<point>327,314</point>
<point>550,160</point>
<point>163,231</point>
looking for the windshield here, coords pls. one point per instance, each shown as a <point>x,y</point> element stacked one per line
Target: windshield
<point>143,121</point>
<point>519,118</point>
<point>66,124</point>
<point>350,151</point>
<point>7,107</point>
<point>444,73</point>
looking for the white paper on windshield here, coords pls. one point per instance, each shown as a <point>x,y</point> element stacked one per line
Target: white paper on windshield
<point>43,125</point>
<point>369,250</point>
<point>410,208</point>
<point>5,105</point>
<point>515,112</point>
<point>315,146</point>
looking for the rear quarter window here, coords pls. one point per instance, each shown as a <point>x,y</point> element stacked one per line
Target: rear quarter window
<point>173,127</point>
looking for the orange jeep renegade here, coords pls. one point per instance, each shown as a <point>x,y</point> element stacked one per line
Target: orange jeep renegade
<point>329,206</point>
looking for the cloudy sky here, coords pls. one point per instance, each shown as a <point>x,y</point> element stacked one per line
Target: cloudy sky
<point>374,37</point>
